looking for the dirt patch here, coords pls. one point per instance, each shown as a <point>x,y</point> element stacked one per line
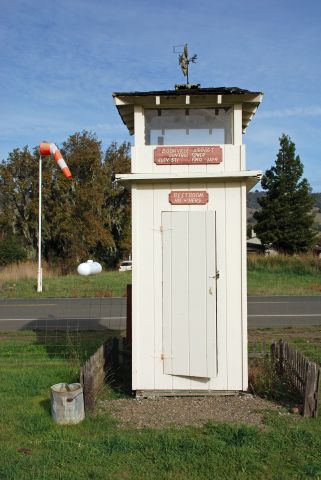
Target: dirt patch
<point>162,412</point>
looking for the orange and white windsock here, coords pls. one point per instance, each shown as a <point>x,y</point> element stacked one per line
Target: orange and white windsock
<point>51,149</point>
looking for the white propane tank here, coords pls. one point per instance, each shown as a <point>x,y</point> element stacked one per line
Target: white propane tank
<point>89,268</point>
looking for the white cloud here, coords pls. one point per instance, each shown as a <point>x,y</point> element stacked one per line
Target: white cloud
<point>310,111</point>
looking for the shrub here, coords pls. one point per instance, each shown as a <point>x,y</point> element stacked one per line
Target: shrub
<point>11,251</point>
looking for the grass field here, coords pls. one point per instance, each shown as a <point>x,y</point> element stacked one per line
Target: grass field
<point>279,275</point>
<point>105,284</point>
<point>32,447</point>
<point>305,339</point>
<point>284,275</point>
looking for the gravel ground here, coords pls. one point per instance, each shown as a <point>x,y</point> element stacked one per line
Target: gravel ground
<point>162,412</point>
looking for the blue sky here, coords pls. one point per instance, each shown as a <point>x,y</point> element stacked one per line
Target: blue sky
<point>61,60</point>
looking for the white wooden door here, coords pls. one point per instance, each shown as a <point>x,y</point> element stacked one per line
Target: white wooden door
<point>189,293</point>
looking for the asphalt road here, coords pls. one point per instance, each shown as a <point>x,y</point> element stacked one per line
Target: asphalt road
<point>63,313</point>
<point>284,311</point>
<point>102,313</point>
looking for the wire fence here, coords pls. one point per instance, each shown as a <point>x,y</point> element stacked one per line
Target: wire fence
<point>70,327</point>
<point>33,333</point>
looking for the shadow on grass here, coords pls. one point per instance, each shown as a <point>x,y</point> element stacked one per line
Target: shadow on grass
<point>64,340</point>
<point>46,405</point>
<point>118,367</point>
<point>75,347</point>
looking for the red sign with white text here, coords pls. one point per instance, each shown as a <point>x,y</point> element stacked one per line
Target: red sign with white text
<point>188,197</point>
<point>188,155</point>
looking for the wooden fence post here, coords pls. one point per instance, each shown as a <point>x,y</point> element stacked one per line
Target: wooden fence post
<point>273,352</point>
<point>281,357</point>
<point>311,390</point>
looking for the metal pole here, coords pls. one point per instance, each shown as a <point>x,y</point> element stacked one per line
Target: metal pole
<point>39,285</point>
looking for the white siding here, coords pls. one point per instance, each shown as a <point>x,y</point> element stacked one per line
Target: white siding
<point>148,203</point>
<point>234,287</point>
<point>244,288</point>
<point>143,287</point>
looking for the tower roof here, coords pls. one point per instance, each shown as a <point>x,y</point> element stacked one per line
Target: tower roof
<point>188,97</point>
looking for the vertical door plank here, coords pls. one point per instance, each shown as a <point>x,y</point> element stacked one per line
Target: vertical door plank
<point>197,294</point>
<point>179,266</point>
<point>211,292</point>
<point>167,291</point>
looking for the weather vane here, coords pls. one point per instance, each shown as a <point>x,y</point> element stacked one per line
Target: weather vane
<point>183,59</point>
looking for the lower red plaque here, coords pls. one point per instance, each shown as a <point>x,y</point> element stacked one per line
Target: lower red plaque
<point>188,197</point>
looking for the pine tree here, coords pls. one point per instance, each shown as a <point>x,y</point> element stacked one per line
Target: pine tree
<point>286,219</point>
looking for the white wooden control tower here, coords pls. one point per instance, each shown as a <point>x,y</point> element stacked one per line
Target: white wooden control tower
<point>189,181</point>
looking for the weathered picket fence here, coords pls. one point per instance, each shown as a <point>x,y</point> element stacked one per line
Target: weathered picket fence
<point>92,376</point>
<point>303,374</point>
<point>259,348</point>
<point>106,361</point>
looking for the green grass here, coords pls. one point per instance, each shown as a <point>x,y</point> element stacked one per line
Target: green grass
<point>305,339</point>
<point>277,275</point>
<point>33,447</point>
<point>282,283</point>
<point>106,284</point>
<point>284,275</point>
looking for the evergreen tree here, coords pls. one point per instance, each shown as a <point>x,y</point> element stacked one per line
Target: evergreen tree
<point>286,219</point>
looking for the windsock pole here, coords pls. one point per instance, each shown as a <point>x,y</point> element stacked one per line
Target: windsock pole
<point>47,149</point>
<point>39,280</point>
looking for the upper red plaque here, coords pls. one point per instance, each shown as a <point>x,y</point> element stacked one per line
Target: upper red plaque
<point>188,155</point>
<point>188,197</point>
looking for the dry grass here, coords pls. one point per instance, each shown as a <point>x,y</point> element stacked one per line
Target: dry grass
<point>284,275</point>
<point>294,264</point>
<point>24,271</point>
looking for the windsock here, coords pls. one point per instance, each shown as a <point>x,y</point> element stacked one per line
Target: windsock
<point>51,149</point>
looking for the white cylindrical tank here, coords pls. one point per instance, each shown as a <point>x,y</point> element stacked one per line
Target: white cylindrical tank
<point>89,268</point>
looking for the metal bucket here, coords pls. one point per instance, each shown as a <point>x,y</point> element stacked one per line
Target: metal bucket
<point>67,403</point>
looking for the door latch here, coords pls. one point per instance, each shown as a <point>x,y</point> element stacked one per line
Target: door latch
<point>216,276</point>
